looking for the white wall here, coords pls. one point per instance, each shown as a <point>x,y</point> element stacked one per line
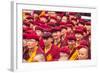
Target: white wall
<point>5,35</point>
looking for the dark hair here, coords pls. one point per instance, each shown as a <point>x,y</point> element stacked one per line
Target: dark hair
<point>47,35</point>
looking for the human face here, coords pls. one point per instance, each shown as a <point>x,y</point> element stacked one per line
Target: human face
<point>88,27</point>
<point>39,58</point>
<point>54,35</point>
<point>43,19</point>
<point>24,42</point>
<point>48,41</point>
<point>78,36</point>
<point>64,19</point>
<point>58,18</point>
<point>80,24</point>
<point>71,42</point>
<point>32,26</point>
<point>58,34</point>
<point>83,54</point>
<point>39,32</point>
<point>25,16</point>
<point>31,43</point>
<point>63,56</point>
<point>71,16</point>
<point>63,31</point>
<point>69,29</point>
<point>52,14</point>
<point>53,20</point>
<point>35,15</point>
<point>74,22</point>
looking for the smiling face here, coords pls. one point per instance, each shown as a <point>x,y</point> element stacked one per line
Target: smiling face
<point>32,43</point>
<point>83,54</point>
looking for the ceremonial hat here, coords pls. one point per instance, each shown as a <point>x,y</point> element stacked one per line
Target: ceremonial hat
<point>65,50</point>
<point>31,36</point>
<point>69,24</point>
<point>84,42</point>
<point>81,46</point>
<point>53,17</point>
<point>55,29</point>
<point>71,36</point>
<point>80,29</point>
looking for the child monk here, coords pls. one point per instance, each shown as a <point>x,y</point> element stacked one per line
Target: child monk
<point>83,53</point>
<point>64,54</point>
<point>56,34</point>
<point>32,45</point>
<point>51,51</point>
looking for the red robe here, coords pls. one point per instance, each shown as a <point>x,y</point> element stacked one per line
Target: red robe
<point>52,54</point>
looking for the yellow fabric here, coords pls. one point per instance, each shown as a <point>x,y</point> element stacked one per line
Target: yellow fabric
<point>74,55</point>
<point>33,55</point>
<point>46,49</point>
<point>59,45</point>
<point>42,13</point>
<point>49,57</point>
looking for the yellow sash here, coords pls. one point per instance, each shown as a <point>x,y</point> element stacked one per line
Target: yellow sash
<point>45,49</point>
<point>59,45</point>
<point>49,56</point>
<point>74,55</point>
<point>33,55</point>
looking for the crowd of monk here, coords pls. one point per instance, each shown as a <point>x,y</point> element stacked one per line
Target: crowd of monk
<point>55,36</point>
